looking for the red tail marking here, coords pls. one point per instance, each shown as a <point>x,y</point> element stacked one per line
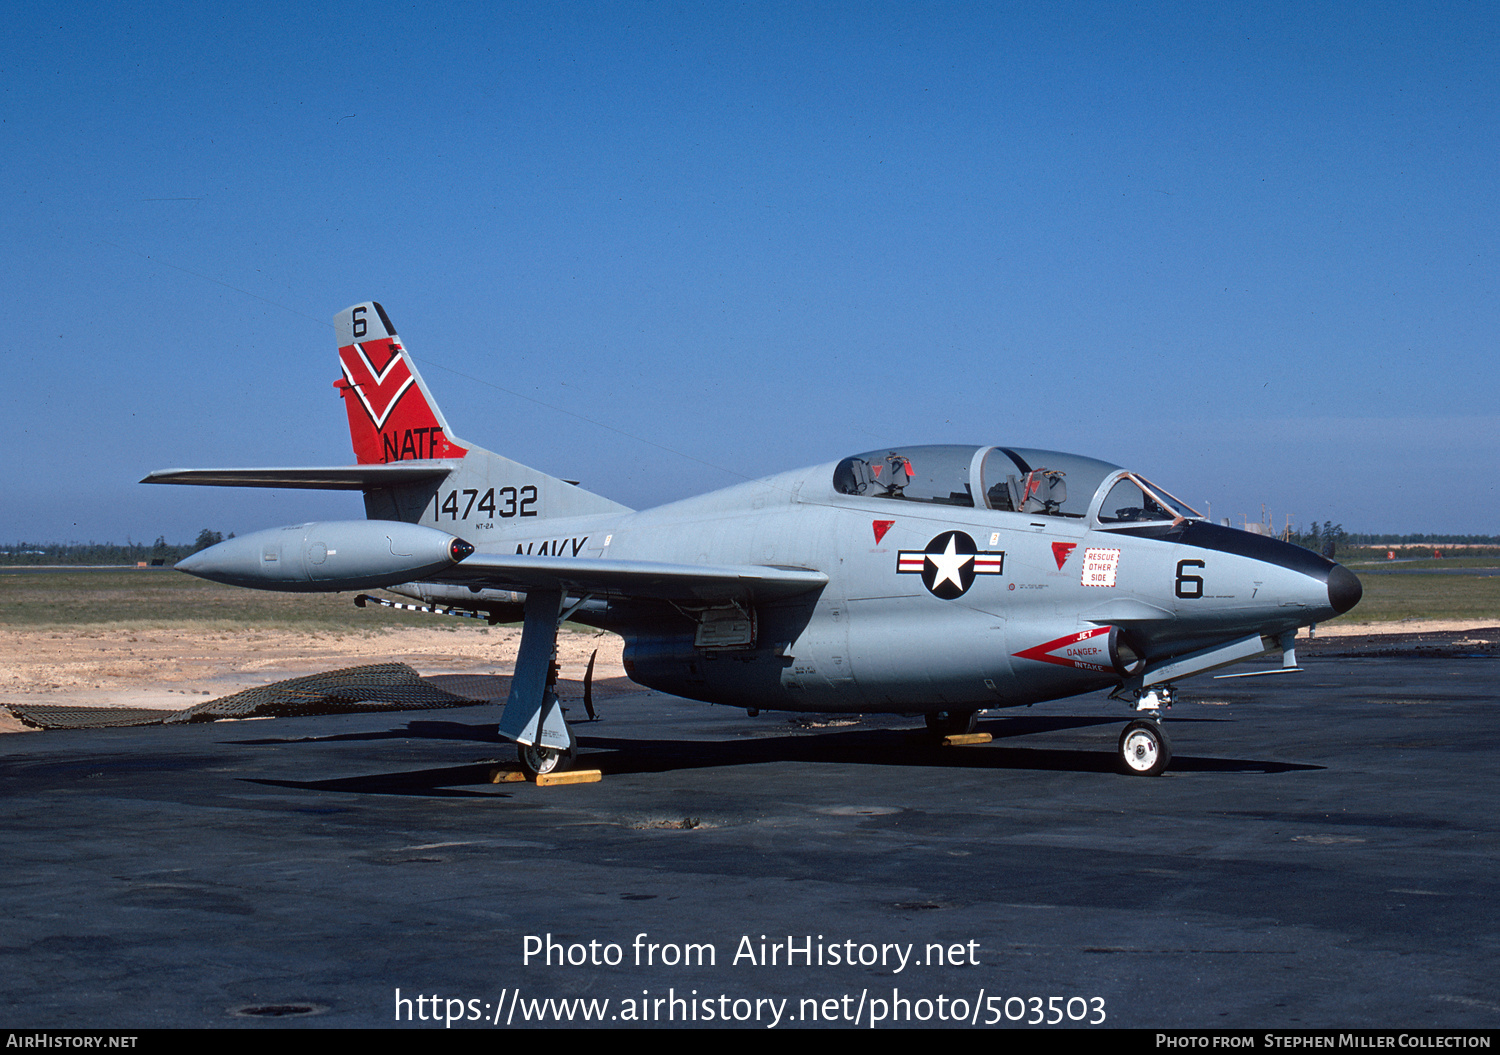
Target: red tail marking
<point>389,420</point>
<point>379,388</point>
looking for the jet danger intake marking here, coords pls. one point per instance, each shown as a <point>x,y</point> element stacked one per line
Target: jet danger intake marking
<point>1081,651</point>
<point>949,563</point>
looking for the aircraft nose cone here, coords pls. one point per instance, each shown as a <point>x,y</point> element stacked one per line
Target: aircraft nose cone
<point>1344,589</point>
<point>193,563</point>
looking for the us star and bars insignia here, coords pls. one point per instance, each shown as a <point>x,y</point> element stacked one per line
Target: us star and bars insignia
<point>949,563</point>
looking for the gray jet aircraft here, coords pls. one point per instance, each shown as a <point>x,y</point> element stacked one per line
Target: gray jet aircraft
<point>937,580</point>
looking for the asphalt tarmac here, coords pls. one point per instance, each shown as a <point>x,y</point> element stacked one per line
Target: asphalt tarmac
<point>1322,853</point>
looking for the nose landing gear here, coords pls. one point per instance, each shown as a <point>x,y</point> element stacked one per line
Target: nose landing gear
<point>1145,750</point>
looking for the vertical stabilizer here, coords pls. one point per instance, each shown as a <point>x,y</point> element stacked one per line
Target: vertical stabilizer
<point>393,419</point>
<point>392,416</point>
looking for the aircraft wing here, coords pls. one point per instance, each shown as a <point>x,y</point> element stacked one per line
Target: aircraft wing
<point>623,579</point>
<point>327,478</point>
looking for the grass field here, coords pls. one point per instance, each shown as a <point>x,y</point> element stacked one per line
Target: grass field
<point>1449,563</point>
<point>1394,597</point>
<point>166,598</point>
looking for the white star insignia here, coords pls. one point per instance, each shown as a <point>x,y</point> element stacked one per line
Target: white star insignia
<point>948,564</point>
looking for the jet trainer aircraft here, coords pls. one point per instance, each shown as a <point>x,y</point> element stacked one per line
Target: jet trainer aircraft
<point>941,580</point>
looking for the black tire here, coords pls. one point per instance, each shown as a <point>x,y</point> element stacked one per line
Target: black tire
<point>951,723</point>
<point>1145,750</point>
<point>539,761</point>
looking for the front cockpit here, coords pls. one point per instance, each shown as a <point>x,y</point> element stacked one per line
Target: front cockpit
<point>1013,480</point>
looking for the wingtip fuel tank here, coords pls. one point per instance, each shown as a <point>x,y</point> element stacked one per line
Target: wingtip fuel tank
<point>329,557</point>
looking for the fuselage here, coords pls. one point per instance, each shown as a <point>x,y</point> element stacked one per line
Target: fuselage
<point>931,603</point>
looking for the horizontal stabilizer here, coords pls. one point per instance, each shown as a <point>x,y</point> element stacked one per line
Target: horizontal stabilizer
<point>331,478</point>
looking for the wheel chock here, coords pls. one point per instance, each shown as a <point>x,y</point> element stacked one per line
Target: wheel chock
<point>966,739</point>
<point>570,776</point>
<point>512,775</point>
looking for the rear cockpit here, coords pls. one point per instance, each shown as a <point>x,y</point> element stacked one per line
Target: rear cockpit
<point>1012,480</point>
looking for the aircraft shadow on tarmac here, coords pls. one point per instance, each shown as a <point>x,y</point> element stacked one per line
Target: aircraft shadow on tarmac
<point>446,782</point>
<point>905,748</point>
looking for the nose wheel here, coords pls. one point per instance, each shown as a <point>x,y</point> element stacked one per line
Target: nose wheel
<point>1144,748</point>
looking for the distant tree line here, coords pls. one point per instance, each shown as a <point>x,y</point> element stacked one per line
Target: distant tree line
<point>1330,538</point>
<point>130,553</point>
<point>1424,540</point>
<point>1325,539</point>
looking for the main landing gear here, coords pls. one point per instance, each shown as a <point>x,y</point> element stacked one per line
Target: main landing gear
<point>532,717</point>
<point>1145,750</point>
<point>538,761</point>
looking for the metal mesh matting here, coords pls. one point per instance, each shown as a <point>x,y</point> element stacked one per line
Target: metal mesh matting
<point>376,687</point>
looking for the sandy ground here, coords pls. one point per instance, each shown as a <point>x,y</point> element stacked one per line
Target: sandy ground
<point>107,666</point>
<point>1405,626</point>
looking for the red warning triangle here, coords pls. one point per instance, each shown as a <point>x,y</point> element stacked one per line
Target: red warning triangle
<point>1061,551</point>
<point>881,527</point>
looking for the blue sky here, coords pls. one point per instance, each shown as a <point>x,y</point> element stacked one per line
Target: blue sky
<point>1249,250</point>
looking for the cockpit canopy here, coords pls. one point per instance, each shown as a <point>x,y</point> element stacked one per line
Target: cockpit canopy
<point>1009,479</point>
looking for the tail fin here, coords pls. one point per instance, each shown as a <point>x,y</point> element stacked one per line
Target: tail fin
<point>392,416</point>
<point>393,419</point>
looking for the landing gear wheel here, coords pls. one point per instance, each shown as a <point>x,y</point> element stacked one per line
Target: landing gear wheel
<point>1144,749</point>
<point>539,761</point>
<point>951,723</point>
